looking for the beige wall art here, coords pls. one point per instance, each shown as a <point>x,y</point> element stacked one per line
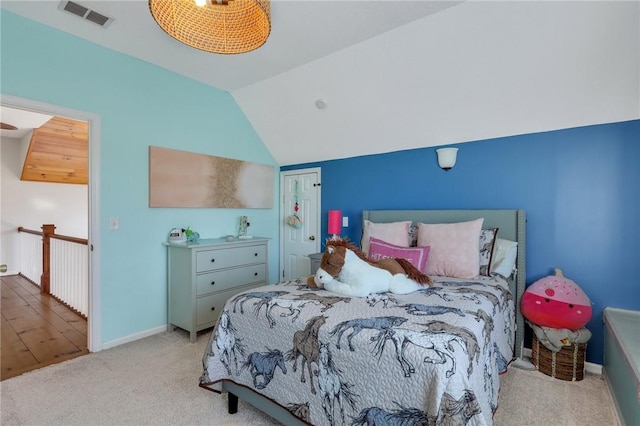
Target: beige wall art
<point>186,179</point>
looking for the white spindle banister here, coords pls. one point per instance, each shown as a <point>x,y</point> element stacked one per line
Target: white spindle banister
<point>64,271</point>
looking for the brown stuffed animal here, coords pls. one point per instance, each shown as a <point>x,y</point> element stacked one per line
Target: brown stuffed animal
<point>393,265</point>
<point>311,282</point>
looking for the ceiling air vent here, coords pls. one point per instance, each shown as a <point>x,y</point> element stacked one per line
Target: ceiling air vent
<point>85,13</point>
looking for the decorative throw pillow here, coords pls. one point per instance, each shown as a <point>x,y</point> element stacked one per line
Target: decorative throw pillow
<point>379,249</point>
<point>504,257</point>
<point>487,241</point>
<point>454,248</point>
<point>395,233</point>
<point>413,235</point>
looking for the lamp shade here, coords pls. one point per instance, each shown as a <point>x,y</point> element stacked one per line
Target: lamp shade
<point>335,217</point>
<point>447,157</point>
<point>219,26</point>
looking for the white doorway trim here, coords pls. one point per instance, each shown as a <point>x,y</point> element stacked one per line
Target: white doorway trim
<point>94,319</point>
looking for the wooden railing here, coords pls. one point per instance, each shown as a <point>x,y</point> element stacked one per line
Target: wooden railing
<point>58,264</point>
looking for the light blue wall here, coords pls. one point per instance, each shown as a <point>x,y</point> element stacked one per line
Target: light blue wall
<point>139,105</point>
<point>580,188</point>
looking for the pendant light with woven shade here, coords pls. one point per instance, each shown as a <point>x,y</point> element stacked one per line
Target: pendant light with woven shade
<point>218,26</point>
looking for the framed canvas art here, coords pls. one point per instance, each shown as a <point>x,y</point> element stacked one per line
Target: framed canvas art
<point>187,179</point>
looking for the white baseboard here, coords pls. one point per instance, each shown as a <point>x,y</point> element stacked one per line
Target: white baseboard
<point>133,337</point>
<point>589,367</point>
<point>8,273</point>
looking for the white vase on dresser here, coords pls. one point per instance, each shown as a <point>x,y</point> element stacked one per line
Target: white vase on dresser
<point>203,275</point>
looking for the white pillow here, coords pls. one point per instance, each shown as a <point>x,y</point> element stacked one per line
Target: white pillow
<point>455,251</point>
<point>395,233</point>
<point>504,257</point>
<point>488,239</point>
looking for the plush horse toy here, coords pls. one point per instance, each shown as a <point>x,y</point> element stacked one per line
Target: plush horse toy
<point>345,269</point>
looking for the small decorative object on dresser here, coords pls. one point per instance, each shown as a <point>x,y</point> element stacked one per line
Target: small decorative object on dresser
<point>204,274</point>
<point>243,229</point>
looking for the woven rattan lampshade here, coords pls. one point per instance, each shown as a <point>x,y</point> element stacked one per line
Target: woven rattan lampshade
<point>235,26</point>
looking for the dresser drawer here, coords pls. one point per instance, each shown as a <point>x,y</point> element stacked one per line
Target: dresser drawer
<point>209,308</point>
<point>222,280</point>
<point>219,259</point>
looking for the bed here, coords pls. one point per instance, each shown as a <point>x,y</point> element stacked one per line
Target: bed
<point>308,356</point>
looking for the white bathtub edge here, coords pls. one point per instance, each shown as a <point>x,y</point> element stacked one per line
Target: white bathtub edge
<point>614,401</point>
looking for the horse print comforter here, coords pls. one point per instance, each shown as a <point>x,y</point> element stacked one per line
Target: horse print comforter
<point>431,357</point>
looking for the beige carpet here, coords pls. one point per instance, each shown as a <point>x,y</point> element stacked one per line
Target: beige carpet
<point>154,381</point>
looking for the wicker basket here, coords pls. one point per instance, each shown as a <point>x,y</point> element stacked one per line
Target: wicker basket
<point>567,364</point>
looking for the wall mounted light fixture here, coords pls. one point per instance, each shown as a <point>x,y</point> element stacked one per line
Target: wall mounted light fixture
<point>335,225</point>
<point>447,157</point>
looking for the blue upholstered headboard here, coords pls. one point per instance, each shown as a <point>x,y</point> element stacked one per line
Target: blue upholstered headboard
<point>512,227</point>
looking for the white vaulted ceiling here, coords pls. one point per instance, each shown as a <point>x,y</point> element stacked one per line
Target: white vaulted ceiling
<point>400,74</point>
<point>23,121</point>
<point>301,31</point>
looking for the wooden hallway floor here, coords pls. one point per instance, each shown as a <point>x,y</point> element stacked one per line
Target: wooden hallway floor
<point>37,330</point>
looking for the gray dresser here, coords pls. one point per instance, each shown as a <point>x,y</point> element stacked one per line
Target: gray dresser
<point>203,275</point>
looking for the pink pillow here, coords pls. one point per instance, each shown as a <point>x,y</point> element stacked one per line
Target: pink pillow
<point>379,249</point>
<point>455,251</point>
<point>395,233</point>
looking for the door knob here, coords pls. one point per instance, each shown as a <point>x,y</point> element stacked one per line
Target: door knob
<point>312,238</point>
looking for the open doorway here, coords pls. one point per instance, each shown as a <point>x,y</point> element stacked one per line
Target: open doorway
<point>91,212</point>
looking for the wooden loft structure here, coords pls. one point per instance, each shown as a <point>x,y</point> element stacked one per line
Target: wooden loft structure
<point>58,152</point>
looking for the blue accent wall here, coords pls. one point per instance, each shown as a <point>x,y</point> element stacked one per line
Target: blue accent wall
<point>139,105</point>
<point>580,188</point>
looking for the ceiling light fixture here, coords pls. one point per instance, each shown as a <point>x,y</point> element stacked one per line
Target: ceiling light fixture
<point>218,26</point>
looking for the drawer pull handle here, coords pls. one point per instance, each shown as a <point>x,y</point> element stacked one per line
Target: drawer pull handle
<point>213,282</point>
<point>255,254</point>
<point>213,260</point>
<point>213,308</point>
<point>255,274</point>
